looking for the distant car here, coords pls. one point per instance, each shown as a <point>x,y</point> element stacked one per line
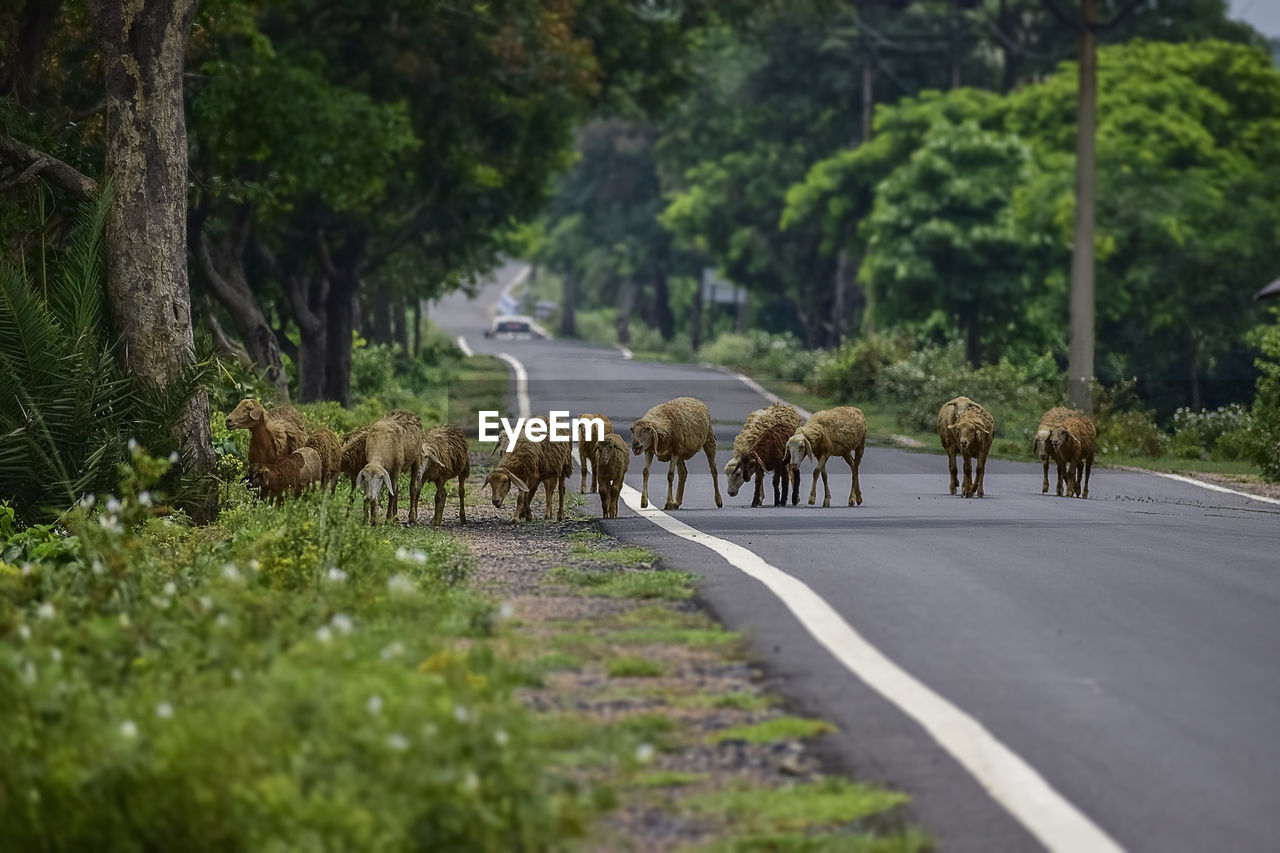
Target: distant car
<point>512,327</point>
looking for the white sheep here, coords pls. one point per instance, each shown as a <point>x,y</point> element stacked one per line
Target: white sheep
<point>842,432</point>
<point>674,431</point>
<point>392,448</point>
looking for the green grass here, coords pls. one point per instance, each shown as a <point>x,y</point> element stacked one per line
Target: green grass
<point>669,779</point>
<point>556,660</point>
<point>635,667</point>
<point>828,803</point>
<point>909,840</point>
<point>651,584</point>
<point>736,701</point>
<point>624,555</point>
<point>779,728</point>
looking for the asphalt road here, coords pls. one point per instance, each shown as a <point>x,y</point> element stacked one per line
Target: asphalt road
<point>1127,647</point>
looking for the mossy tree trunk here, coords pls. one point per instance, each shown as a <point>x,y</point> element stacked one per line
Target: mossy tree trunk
<point>143,46</point>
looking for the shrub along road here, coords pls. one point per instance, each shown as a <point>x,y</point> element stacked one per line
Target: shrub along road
<point>1122,647</point>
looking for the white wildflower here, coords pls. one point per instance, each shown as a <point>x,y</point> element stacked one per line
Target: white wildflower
<point>24,632</point>
<point>230,572</point>
<point>461,714</point>
<point>129,729</point>
<point>501,738</point>
<point>133,445</point>
<point>400,585</point>
<point>402,554</point>
<point>97,568</point>
<point>174,457</point>
<point>342,622</point>
<point>398,742</point>
<point>88,500</point>
<point>254,565</point>
<point>392,650</point>
<point>113,505</point>
<point>236,675</point>
<point>144,497</point>
<point>124,620</point>
<point>170,588</point>
<point>160,602</point>
<point>644,753</point>
<point>46,610</point>
<point>26,569</point>
<point>110,524</point>
<point>336,575</point>
<point>430,730</point>
<point>374,705</point>
<point>55,654</point>
<point>164,711</point>
<point>29,673</point>
<point>471,782</point>
<point>206,603</point>
<point>324,634</point>
<point>222,620</point>
<point>419,557</point>
<point>506,610</point>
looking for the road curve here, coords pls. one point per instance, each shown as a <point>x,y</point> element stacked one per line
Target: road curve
<point>1125,647</point>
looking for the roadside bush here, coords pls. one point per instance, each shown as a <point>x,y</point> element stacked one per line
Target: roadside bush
<point>853,372</point>
<point>1266,403</point>
<point>762,352</point>
<point>283,680</point>
<point>1226,433</point>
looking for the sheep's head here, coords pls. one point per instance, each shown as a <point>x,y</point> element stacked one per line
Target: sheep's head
<point>372,478</point>
<point>966,433</point>
<point>429,457</point>
<point>1060,437</point>
<point>752,466</point>
<point>1040,447</point>
<point>798,449</point>
<point>500,482</point>
<point>733,476</point>
<point>643,437</point>
<point>246,413</point>
<point>259,479</point>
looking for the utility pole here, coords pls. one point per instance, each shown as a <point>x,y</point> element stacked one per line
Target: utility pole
<point>1080,371</point>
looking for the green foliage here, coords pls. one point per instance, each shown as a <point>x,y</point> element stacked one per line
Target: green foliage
<point>1266,405</point>
<point>633,584</point>
<point>828,803</point>
<point>285,679</point>
<point>775,729</point>
<point>68,408</point>
<point>634,667</point>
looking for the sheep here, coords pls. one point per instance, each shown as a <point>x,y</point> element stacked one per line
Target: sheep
<point>527,466</point>
<point>1040,446</point>
<point>966,428</point>
<point>352,460</point>
<point>769,453</point>
<point>610,462</point>
<point>587,448</point>
<point>756,423</point>
<point>325,443</point>
<point>293,473</point>
<point>444,455</point>
<point>674,431</point>
<point>1074,441</point>
<point>273,433</point>
<point>392,447</point>
<point>842,432</point>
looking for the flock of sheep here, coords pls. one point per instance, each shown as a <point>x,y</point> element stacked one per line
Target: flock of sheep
<point>285,459</point>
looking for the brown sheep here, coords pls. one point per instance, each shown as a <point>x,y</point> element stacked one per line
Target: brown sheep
<point>966,429</point>
<point>768,454</point>
<point>292,474</point>
<point>611,462</point>
<point>324,442</point>
<point>392,447</point>
<point>756,423</point>
<point>674,431</point>
<point>1041,448</point>
<point>273,433</point>
<point>587,450</point>
<point>352,460</point>
<point>444,456</point>
<point>527,466</point>
<point>1074,441</point>
<point>842,432</point>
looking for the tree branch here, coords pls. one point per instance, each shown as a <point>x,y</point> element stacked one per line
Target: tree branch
<point>35,162</point>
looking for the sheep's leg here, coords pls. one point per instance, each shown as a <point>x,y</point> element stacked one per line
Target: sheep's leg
<point>1062,474</point>
<point>794,476</point>
<point>547,491</point>
<point>351,498</point>
<point>582,457</point>
<point>982,470</point>
<point>676,464</point>
<point>1045,488</point>
<point>442,495</point>
<point>1088,469</point>
<point>813,490</point>
<point>855,491</point>
<point>644,488</point>
<point>462,499</point>
<point>757,493</point>
<point>595,482</point>
<point>683,469</point>
<point>785,473</point>
<point>415,492</point>
<point>951,466</point>
<point>710,449</point>
<point>826,488</point>
<point>560,489</point>
<point>967,489</point>
<point>777,475</point>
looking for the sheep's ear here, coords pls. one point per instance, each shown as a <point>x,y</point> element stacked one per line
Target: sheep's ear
<point>391,486</point>
<point>953,427</point>
<point>518,483</point>
<point>256,412</point>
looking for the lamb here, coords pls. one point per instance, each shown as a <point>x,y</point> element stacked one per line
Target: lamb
<point>1074,441</point>
<point>1041,447</point>
<point>756,423</point>
<point>966,428</point>
<point>273,433</point>
<point>292,474</point>
<point>842,432</point>
<point>587,449</point>
<point>528,465</point>
<point>325,442</point>
<point>674,431</point>
<point>768,453</point>
<point>392,447</point>
<point>610,461</point>
<point>444,455</point>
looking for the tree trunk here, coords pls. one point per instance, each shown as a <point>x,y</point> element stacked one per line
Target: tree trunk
<point>568,307</point>
<point>399,323</point>
<point>381,315</point>
<point>626,301</point>
<point>695,318</point>
<point>1193,364</point>
<point>1080,350</point>
<point>417,327</point>
<point>743,312</point>
<point>223,269</point>
<point>20,67</point>
<point>143,49</point>
<point>662,317</point>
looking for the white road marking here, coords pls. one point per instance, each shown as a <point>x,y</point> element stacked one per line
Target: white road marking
<point>767,394</point>
<point>1213,487</point>
<point>462,345</point>
<point>1010,780</point>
